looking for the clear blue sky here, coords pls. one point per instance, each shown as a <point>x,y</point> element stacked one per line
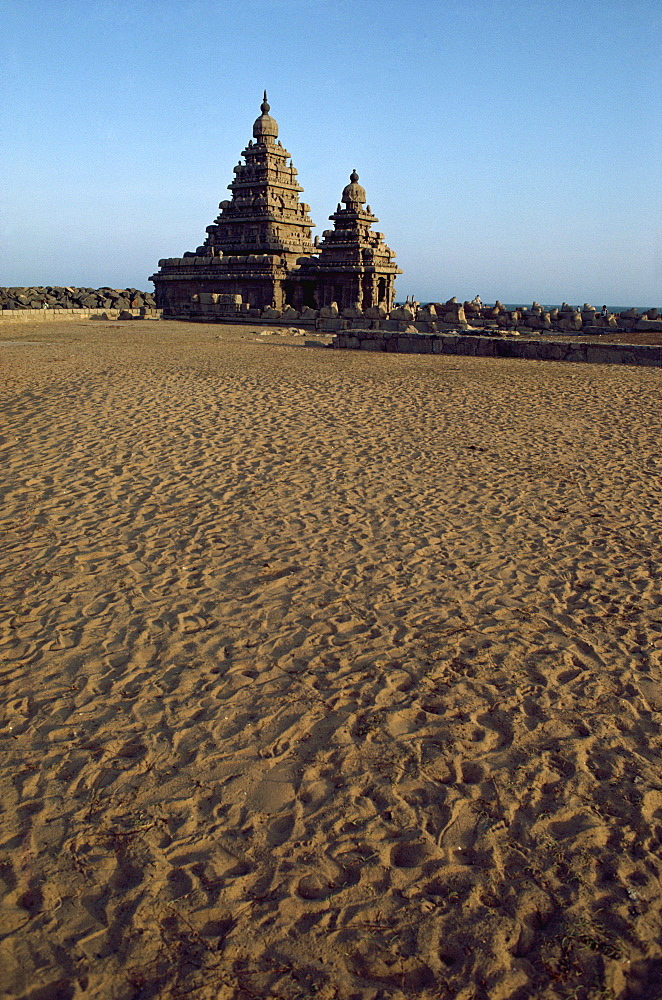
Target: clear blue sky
<point>511,148</point>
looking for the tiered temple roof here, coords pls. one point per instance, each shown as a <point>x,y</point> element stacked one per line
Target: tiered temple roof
<point>351,241</point>
<point>264,214</point>
<point>354,265</point>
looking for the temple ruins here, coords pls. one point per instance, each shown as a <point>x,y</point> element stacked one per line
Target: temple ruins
<point>258,259</point>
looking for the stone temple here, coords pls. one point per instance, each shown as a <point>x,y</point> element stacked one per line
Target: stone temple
<point>258,254</point>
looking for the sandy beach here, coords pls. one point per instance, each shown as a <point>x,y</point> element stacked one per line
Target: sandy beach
<point>326,675</point>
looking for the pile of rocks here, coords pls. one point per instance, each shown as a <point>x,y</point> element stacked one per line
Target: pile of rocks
<point>55,297</point>
<point>438,317</point>
<point>498,320</point>
<point>474,317</point>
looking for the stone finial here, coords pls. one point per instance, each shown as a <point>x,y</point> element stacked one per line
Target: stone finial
<point>353,195</point>
<point>265,127</point>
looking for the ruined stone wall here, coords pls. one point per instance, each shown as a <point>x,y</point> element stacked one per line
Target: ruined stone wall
<point>414,342</point>
<point>451,316</point>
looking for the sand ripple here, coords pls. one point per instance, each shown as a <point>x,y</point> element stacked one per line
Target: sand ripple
<point>326,674</point>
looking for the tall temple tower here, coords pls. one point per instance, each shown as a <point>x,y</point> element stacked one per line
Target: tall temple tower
<point>258,251</point>
<point>265,214</point>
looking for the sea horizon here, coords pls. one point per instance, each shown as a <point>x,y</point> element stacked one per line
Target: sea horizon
<point>522,305</point>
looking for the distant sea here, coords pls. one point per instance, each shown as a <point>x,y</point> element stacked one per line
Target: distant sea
<point>580,305</point>
<point>613,309</point>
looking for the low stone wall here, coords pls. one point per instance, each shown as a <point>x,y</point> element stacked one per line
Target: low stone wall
<point>498,347</point>
<point>47,315</point>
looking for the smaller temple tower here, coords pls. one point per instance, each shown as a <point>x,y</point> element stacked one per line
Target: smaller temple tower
<point>354,266</point>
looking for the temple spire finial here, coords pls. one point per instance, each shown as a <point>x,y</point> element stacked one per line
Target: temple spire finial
<point>265,107</point>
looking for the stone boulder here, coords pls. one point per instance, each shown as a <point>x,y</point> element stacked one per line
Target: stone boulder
<point>650,325</point>
<point>531,318</point>
<point>453,313</point>
<point>375,312</point>
<point>570,321</point>
<point>404,314</point>
<point>353,312</point>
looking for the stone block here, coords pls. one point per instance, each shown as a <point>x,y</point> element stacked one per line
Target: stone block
<point>403,314</point>
<point>353,312</point>
<point>330,324</point>
<point>505,348</point>
<point>454,315</point>
<point>649,355</point>
<point>575,353</point>
<point>604,354</point>
<point>570,321</point>
<point>531,349</point>
<point>485,347</point>
<point>448,343</point>
<point>407,345</point>
<point>466,346</point>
